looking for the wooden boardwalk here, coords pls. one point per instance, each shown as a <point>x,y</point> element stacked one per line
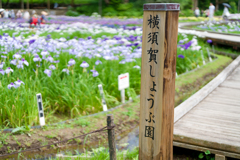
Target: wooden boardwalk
<point>219,38</point>
<point>210,119</point>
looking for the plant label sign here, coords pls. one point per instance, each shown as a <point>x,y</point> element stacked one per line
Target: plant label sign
<point>40,109</point>
<point>102,96</point>
<point>123,82</point>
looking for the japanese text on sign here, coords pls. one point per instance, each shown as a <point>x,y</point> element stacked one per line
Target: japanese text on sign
<point>153,23</point>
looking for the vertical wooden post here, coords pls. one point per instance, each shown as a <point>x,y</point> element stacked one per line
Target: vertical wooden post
<point>27,4</point>
<point>22,4</point>
<point>0,3</point>
<point>111,138</point>
<point>48,4</point>
<point>100,7</point>
<point>159,51</point>
<point>72,3</point>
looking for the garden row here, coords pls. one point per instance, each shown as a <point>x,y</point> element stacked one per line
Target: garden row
<point>65,63</point>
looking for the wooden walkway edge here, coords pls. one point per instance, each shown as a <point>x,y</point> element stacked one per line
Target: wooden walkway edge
<point>210,119</point>
<point>191,102</point>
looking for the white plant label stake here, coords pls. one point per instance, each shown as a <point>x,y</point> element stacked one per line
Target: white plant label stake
<point>40,109</point>
<point>123,83</point>
<point>209,56</point>
<point>102,96</point>
<point>203,58</point>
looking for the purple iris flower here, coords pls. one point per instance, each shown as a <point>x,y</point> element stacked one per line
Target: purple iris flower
<point>23,61</point>
<point>181,41</point>
<point>136,44</point>
<point>37,59</point>
<point>209,41</point>
<point>17,56</point>
<point>56,61</point>
<point>11,85</point>
<point>3,56</point>
<point>32,41</point>
<point>1,64</point>
<point>180,56</point>
<point>8,70</point>
<point>84,64</point>
<point>2,71</point>
<point>95,73</point>
<point>50,59</point>
<point>18,83</point>
<point>52,67</point>
<point>71,62</point>
<point>98,62</point>
<point>20,66</point>
<point>65,70</point>
<point>48,72</point>
<point>44,53</point>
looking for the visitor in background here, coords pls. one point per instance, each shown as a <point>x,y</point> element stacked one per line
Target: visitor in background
<point>6,14</point>
<point>202,13</point>
<point>43,17</point>
<point>197,12</point>
<point>211,12</point>
<point>207,12</point>
<point>225,13</point>
<point>26,15</point>
<point>12,14</point>
<point>33,20</point>
<point>33,12</point>
<point>19,14</point>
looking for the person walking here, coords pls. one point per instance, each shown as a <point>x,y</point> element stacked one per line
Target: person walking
<point>12,14</point>
<point>211,12</point>
<point>19,14</point>
<point>6,13</point>
<point>197,12</point>
<point>225,13</point>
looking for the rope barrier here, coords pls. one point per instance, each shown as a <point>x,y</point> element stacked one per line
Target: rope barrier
<point>38,148</point>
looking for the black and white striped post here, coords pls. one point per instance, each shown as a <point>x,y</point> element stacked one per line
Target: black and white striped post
<point>40,109</point>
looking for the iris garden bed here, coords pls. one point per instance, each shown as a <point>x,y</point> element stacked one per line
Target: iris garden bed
<point>230,27</point>
<point>65,63</point>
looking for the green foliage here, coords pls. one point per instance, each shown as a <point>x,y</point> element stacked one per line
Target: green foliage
<point>124,6</point>
<point>207,155</point>
<point>72,13</point>
<point>218,13</point>
<point>87,9</point>
<point>22,129</point>
<point>186,13</point>
<point>233,8</point>
<point>110,11</point>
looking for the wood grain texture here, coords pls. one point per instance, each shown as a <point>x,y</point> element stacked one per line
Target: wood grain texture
<point>161,147</point>
<point>215,121</point>
<point>219,157</point>
<point>191,102</point>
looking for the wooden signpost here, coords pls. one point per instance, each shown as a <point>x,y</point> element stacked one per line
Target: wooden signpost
<point>159,51</point>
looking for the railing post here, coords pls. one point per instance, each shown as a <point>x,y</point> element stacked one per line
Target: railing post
<point>111,137</point>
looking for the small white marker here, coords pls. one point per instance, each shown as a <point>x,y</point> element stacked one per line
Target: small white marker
<point>40,109</point>
<point>102,96</point>
<point>209,56</point>
<point>123,83</point>
<point>203,58</point>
